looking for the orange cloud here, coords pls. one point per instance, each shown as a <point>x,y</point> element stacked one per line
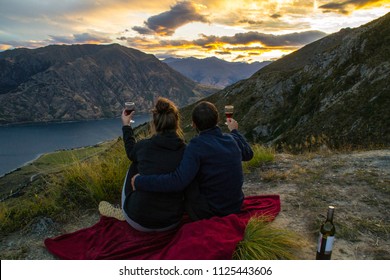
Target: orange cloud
<point>348,6</point>
<point>250,44</point>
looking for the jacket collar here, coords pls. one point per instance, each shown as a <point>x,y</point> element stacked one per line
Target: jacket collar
<point>216,130</point>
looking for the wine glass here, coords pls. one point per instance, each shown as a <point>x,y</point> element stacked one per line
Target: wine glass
<point>129,107</point>
<point>229,110</point>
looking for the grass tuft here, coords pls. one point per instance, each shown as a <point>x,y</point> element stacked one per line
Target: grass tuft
<point>261,155</point>
<point>96,179</point>
<point>264,242</point>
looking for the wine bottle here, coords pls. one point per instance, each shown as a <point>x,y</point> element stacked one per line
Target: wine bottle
<point>326,237</point>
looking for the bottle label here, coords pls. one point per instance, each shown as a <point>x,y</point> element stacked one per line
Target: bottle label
<point>329,243</point>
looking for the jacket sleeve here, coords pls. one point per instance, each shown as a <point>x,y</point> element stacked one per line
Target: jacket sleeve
<point>129,141</point>
<point>175,181</point>
<point>246,150</point>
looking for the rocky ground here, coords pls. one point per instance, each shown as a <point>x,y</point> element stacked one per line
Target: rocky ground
<point>357,184</point>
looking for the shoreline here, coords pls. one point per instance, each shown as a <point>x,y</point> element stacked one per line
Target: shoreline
<point>52,152</point>
<point>24,164</point>
<point>27,123</point>
<point>141,120</point>
<point>15,181</point>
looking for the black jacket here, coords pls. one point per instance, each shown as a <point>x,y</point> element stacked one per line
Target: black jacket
<point>159,154</point>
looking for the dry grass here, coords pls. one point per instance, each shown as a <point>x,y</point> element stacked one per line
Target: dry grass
<point>99,178</point>
<point>262,241</point>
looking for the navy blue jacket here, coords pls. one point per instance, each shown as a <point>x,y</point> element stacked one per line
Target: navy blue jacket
<point>215,159</point>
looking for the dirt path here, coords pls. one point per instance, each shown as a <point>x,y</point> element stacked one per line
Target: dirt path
<point>357,184</point>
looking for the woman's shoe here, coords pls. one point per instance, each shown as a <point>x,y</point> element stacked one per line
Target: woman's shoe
<point>108,210</point>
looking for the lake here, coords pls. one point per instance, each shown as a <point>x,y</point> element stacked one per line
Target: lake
<point>20,144</point>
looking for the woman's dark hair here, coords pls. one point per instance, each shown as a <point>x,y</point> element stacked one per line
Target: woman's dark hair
<point>166,117</point>
<point>205,115</point>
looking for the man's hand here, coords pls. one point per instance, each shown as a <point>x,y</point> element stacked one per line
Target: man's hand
<point>232,124</point>
<point>133,181</point>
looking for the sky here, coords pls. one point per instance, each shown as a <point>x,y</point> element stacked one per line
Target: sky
<point>233,30</point>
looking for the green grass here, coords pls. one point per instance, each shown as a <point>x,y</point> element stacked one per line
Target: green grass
<point>99,178</point>
<point>47,164</point>
<point>68,181</point>
<point>262,241</point>
<point>261,155</point>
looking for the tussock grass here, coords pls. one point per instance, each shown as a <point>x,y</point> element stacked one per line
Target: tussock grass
<point>96,179</point>
<point>262,241</point>
<point>81,183</point>
<point>16,214</point>
<point>261,155</point>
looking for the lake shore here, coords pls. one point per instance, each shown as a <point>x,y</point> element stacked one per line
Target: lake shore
<point>13,182</point>
<point>21,144</point>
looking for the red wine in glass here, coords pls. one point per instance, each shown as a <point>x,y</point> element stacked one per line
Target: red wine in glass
<point>229,109</point>
<point>129,107</point>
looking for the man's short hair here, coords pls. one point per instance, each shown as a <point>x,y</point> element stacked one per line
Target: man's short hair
<point>205,115</point>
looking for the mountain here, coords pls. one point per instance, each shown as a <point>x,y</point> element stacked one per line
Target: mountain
<point>334,92</point>
<point>214,71</point>
<point>65,83</point>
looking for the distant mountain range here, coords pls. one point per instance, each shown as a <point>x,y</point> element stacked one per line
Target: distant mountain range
<point>78,82</point>
<point>213,71</point>
<point>334,92</point>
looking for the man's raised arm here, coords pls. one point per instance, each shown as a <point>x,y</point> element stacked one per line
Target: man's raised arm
<point>246,150</point>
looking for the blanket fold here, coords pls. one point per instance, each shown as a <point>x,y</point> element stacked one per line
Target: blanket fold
<point>214,238</point>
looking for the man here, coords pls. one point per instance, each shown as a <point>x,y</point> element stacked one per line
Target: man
<point>211,163</point>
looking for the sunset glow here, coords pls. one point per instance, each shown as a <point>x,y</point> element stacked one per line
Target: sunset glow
<point>245,30</point>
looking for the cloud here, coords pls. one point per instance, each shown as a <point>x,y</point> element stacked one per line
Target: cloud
<point>166,23</point>
<point>346,7</point>
<point>143,30</point>
<point>82,38</point>
<point>250,42</point>
<point>293,39</point>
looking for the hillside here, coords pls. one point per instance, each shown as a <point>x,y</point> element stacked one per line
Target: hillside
<point>355,183</point>
<point>213,71</point>
<point>65,83</point>
<point>333,91</point>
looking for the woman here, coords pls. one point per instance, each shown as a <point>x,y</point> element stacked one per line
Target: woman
<point>161,153</point>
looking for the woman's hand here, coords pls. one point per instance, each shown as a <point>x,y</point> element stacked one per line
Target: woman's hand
<point>126,119</point>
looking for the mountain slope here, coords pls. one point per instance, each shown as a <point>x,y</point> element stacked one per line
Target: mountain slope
<point>214,71</point>
<point>334,91</point>
<point>61,83</point>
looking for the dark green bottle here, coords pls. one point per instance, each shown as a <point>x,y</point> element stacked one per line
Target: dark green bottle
<point>326,237</point>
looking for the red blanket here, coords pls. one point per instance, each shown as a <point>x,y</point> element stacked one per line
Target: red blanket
<point>215,238</point>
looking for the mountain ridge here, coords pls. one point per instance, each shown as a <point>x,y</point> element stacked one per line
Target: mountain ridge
<point>214,71</point>
<point>79,82</point>
<point>331,92</point>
